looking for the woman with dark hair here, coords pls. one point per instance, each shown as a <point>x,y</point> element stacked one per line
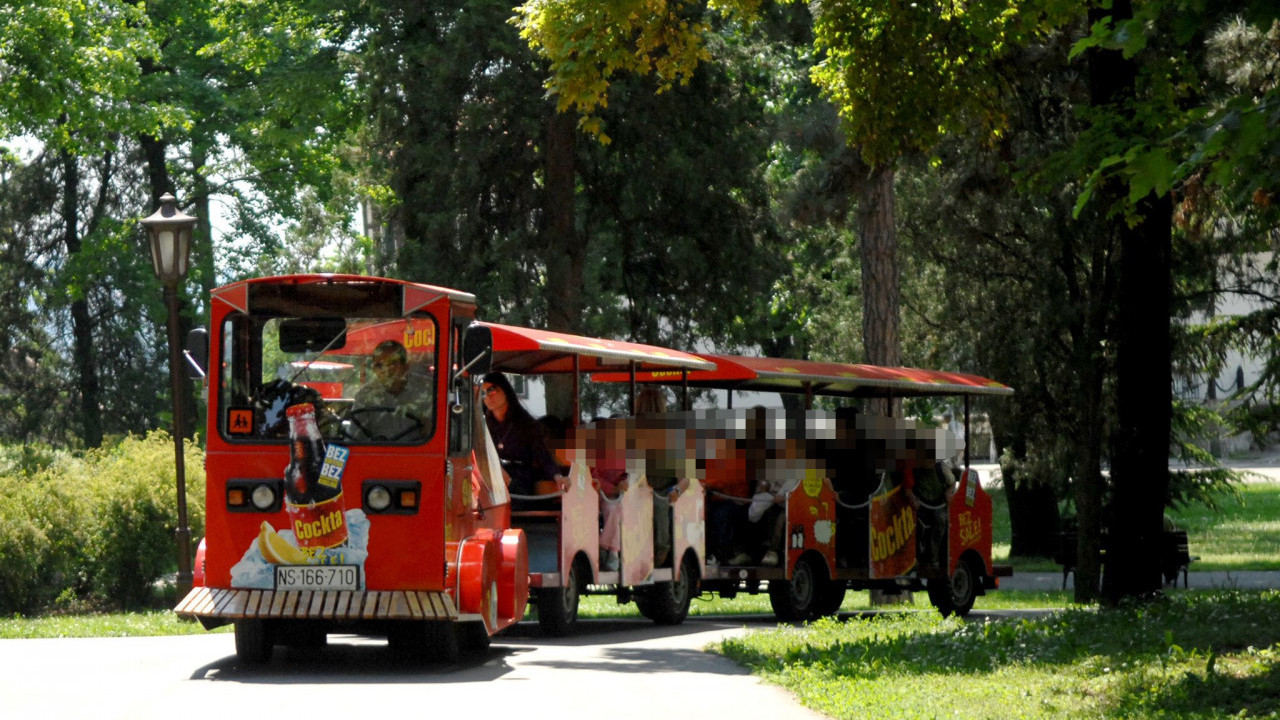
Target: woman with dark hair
<point>519,439</point>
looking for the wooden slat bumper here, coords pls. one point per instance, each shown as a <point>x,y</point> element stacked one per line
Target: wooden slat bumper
<point>306,604</point>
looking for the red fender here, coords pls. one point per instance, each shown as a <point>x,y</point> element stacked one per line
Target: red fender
<point>513,577</point>
<point>197,572</point>
<point>477,579</point>
<point>969,521</point>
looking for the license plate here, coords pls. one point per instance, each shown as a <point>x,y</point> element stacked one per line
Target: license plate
<point>317,577</point>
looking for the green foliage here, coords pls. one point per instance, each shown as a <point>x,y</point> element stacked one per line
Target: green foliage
<point>96,529</point>
<point>589,44</point>
<point>1189,655</point>
<point>71,70</point>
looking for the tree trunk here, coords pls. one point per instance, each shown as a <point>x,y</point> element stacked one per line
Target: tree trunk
<point>1033,514</point>
<point>86,364</point>
<point>1140,453</point>
<point>566,254</point>
<point>879,253</point>
<point>1140,446</point>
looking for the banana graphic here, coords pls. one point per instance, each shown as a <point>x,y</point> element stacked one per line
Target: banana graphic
<point>277,550</point>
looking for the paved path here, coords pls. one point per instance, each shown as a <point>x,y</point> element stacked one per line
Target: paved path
<point>618,669</point>
<point>1244,580</point>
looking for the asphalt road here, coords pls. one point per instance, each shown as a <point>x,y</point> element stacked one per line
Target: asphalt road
<point>616,669</point>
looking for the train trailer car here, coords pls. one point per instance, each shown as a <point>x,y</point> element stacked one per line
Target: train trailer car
<point>350,487</point>
<point>660,558</point>
<point>847,501</point>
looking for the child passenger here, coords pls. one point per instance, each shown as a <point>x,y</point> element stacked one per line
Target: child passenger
<point>608,461</point>
<point>782,473</point>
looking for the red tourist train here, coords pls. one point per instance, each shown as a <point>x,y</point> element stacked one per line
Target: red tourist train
<point>331,507</point>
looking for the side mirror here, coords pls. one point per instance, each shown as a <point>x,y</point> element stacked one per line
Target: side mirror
<point>477,350</point>
<point>197,353</point>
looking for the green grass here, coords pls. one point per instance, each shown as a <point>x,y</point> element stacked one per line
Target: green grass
<point>600,606</point>
<point>155,622</point>
<point>1242,533</point>
<point>1189,655</point>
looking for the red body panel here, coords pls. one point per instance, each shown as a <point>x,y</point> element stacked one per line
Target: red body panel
<point>970,521</point>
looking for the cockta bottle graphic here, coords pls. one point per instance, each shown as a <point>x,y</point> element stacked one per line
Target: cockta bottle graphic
<point>313,497</point>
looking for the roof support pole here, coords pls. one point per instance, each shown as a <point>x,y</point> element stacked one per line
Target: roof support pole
<point>577,389</point>
<point>631,388</point>
<point>967,434</point>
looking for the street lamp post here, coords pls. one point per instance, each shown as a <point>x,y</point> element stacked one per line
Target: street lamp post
<point>170,233</point>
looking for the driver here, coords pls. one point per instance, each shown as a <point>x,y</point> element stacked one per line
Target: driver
<point>396,403</point>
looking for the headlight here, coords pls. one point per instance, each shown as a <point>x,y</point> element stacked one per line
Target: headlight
<point>263,497</point>
<point>379,498</point>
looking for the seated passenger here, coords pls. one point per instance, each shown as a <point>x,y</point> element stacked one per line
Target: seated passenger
<point>395,404</point>
<point>783,471</point>
<point>928,485</point>
<point>728,472</point>
<point>520,442</point>
<point>608,461</point>
<point>662,438</point>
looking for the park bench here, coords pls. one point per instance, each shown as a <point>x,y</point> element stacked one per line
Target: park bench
<point>1175,555</point>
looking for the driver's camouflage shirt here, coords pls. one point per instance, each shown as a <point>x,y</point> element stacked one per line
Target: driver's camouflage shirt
<point>410,413</point>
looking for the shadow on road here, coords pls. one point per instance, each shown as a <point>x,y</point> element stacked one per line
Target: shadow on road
<point>631,645</point>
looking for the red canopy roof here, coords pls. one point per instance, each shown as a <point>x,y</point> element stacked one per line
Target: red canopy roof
<point>524,350</point>
<point>824,378</point>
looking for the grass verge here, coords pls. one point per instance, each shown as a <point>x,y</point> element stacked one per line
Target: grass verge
<point>1188,655</point>
<point>1241,533</point>
<point>153,622</point>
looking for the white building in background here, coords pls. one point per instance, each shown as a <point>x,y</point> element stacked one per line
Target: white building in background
<point>533,394</point>
<point>1239,370</point>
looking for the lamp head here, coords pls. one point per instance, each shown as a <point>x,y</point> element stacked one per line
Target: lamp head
<point>170,232</point>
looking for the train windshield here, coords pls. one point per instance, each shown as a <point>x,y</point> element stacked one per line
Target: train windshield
<point>371,380</point>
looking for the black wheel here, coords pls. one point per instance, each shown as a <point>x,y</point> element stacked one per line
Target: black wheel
<point>253,641</point>
<point>301,636</point>
<point>668,603</point>
<point>473,637</point>
<point>422,642</point>
<point>831,598</point>
<point>955,596</point>
<point>558,607</point>
<point>800,598</point>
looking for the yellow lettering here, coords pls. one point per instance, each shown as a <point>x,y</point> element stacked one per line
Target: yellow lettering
<point>419,337</point>
<point>318,528</point>
<point>970,529</point>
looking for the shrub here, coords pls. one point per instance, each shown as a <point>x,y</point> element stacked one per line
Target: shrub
<point>99,528</point>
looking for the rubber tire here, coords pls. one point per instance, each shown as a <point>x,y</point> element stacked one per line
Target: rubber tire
<point>302,636</point>
<point>558,607</point>
<point>253,641</point>
<point>422,642</point>
<point>955,595</point>
<point>831,598</point>
<point>799,598</point>
<point>667,603</point>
